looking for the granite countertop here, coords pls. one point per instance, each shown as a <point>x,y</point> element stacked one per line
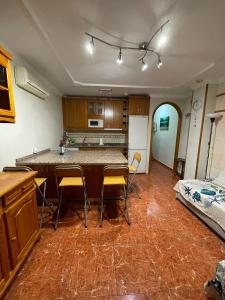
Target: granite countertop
<point>11,180</point>
<point>91,157</point>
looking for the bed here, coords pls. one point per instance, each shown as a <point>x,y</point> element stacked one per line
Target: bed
<point>206,200</point>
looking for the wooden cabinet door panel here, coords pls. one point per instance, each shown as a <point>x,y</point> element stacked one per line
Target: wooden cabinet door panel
<point>75,113</point>
<point>113,114</point>
<point>22,225</point>
<point>138,105</point>
<point>4,259</point>
<point>95,108</point>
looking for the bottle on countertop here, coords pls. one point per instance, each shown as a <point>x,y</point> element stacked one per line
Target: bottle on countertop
<point>61,148</point>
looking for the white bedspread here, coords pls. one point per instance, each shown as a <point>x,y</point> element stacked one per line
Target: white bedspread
<point>212,205</point>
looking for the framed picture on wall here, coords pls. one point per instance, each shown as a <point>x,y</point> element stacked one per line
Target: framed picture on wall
<point>164,123</point>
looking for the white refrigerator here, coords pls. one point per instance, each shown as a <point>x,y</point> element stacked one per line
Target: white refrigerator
<point>137,140</point>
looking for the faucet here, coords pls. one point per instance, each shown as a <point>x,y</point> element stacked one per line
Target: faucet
<point>84,139</point>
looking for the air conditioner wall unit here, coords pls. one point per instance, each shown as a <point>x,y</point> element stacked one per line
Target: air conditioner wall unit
<point>24,80</point>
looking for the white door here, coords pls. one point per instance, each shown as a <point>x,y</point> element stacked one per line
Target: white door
<point>143,164</point>
<point>138,132</point>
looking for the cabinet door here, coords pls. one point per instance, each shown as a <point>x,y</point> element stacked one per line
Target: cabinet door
<point>113,114</point>
<point>22,226</point>
<point>95,108</point>
<point>139,105</point>
<point>4,259</point>
<point>7,110</point>
<point>75,113</point>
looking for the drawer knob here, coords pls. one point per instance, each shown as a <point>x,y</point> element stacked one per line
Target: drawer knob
<point>13,238</point>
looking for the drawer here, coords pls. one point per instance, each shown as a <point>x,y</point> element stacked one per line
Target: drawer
<point>16,193</point>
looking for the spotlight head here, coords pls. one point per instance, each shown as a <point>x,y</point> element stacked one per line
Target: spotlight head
<point>90,46</point>
<point>144,66</point>
<point>159,64</point>
<point>119,59</point>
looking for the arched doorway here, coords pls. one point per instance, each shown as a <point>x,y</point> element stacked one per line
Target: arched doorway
<point>166,128</point>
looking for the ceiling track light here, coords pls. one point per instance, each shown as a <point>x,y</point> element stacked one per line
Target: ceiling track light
<point>143,48</point>
<point>90,46</point>
<point>119,59</point>
<point>159,64</point>
<point>144,65</point>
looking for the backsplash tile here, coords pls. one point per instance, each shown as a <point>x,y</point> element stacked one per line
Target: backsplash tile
<point>94,137</point>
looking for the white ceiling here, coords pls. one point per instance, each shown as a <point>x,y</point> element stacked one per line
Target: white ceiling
<point>50,35</point>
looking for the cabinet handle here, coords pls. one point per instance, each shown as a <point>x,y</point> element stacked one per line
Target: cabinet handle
<point>13,238</point>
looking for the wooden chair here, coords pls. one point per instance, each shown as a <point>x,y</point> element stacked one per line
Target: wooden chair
<point>115,175</point>
<point>70,176</point>
<point>133,168</point>
<point>39,183</point>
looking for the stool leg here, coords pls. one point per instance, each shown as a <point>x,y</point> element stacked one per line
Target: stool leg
<point>136,191</point>
<point>59,206</point>
<point>43,204</point>
<point>85,208</point>
<point>131,185</point>
<point>126,205</point>
<point>101,205</point>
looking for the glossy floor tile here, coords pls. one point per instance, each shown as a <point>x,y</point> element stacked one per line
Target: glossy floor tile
<point>167,252</point>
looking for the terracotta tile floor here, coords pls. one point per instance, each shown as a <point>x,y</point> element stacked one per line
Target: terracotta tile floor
<point>167,253</point>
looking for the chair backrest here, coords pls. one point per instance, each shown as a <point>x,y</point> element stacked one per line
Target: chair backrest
<point>17,169</point>
<point>68,171</point>
<point>137,157</point>
<point>116,170</point>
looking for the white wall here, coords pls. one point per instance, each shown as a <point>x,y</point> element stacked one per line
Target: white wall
<point>164,141</point>
<point>218,147</point>
<point>194,134</point>
<point>185,106</point>
<point>210,107</point>
<point>38,122</point>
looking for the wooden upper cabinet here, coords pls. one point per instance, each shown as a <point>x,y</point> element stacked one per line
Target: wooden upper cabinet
<point>95,108</point>
<point>7,109</point>
<point>139,105</point>
<point>113,114</point>
<point>75,113</point>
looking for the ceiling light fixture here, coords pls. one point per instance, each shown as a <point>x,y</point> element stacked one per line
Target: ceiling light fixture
<point>90,46</point>
<point>119,59</point>
<point>159,64</point>
<point>162,41</point>
<point>144,48</point>
<point>144,65</point>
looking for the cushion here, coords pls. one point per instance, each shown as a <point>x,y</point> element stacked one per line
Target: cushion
<point>220,179</point>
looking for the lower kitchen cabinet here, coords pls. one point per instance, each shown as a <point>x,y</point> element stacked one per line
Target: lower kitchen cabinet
<point>4,257</point>
<point>22,225</point>
<point>19,228</point>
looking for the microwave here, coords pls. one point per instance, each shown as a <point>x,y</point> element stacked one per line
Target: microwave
<point>95,123</point>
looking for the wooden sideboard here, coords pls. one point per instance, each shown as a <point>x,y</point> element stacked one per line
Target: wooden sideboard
<point>19,228</point>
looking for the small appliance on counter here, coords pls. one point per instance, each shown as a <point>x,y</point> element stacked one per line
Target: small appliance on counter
<point>95,123</point>
<point>101,142</point>
<point>61,148</point>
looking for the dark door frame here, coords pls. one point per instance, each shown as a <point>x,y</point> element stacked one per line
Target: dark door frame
<point>177,134</point>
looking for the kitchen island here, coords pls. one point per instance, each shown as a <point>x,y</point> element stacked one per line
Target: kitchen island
<point>92,162</point>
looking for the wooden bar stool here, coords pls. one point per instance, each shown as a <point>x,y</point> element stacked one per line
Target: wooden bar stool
<point>115,175</point>
<point>133,168</point>
<point>70,176</point>
<point>39,182</point>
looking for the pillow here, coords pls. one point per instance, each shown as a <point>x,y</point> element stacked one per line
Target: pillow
<point>220,179</point>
